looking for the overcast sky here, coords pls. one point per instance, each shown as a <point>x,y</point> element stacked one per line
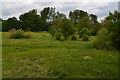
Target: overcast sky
<point>101,9</point>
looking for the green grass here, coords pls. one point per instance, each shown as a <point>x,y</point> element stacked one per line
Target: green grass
<point>44,57</point>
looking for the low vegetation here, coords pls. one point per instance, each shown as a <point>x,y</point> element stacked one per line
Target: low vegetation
<point>109,35</point>
<point>102,40</point>
<point>13,34</point>
<point>42,56</point>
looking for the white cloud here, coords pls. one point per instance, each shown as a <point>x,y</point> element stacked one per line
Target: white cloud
<point>101,9</point>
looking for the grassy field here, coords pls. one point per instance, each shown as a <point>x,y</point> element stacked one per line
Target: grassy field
<point>44,57</point>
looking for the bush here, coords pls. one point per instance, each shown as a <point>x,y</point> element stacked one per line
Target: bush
<point>85,38</point>
<point>74,37</point>
<point>102,40</point>
<point>18,34</point>
<point>12,33</point>
<point>84,31</point>
<point>58,36</point>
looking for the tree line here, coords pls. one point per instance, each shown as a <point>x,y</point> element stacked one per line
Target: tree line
<point>41,22</point>
<point>33,21</point>
<point>79,22</point>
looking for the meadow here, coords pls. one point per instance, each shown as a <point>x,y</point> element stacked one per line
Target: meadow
<point>44,57</point>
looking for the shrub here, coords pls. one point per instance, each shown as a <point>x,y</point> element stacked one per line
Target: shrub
<point>102,40</point>
<point>12,33</point>
<point>85,38</point>
<point>84,31</point>
<point>18,34</point>
<point>58,36</point>
<point>74,37</point>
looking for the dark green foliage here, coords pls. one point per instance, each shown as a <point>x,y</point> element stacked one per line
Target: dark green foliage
<point>10,24</point>
<point>47,16</point>
<point>58,36</point>
<point>74,37</point>
<point>4,26</point>
<point>60,15</point>
<point>114,28</point>
<point>62,25</point>
<point>108,37</point>
<point>52,31</point>
<point>44,13</point>
<point>77,15</point>
<point>31,21</point>
<point>85,38</point>
<point>66,28</point>
<point>55,26</point>
<point>83,23</point>
<point>93,18</point>
<point>95,27</point>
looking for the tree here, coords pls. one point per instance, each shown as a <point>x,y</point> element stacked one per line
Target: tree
<point>63,26</point>
<point>13,23</point>
<point>60,15</point>
<point>95,27</point>
<point>4,26</point>
<point>31,21</point>
<point>55,26</point>
<point>93,18</point>
<point>10,23</point>
<point>44,14</point>
<point>108,36</point>
<point>83,23</point>
<point>114,28</point>
<point>77,15</point>
<point>67,28</point>
<point>48,15</point>
<point>51,14</point>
